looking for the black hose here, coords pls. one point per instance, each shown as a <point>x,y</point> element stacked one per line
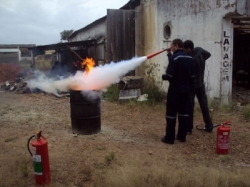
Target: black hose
<point>28,143</point>
<point>206,128</point>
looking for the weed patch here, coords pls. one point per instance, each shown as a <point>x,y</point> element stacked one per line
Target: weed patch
<point>112,93</point>
<point>246,112</point>
<point>153,85</point>
<point>110,157</point>
<point>10,139</point>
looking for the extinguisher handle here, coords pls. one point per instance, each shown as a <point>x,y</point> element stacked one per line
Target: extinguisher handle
<point>38,134</point>
<point>226,123</point>
<point>42,137</point>
<point>28,144</point>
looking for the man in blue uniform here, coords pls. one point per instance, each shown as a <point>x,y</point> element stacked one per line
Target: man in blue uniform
<point>179,73</point>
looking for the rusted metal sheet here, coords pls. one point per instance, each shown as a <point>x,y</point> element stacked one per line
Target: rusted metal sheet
<point>120,35</point>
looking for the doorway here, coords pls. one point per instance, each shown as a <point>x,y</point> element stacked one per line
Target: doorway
<point>241,54</point>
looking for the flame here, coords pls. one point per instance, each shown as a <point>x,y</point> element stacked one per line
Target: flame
<point>88,64</point>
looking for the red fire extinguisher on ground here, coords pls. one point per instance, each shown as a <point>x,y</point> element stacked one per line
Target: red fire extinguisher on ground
<point>40,159</point>
<point>222,143</point>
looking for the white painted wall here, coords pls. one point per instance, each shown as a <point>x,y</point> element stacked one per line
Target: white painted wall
<point>227,63</point>
<point>243,7</point>
<point>12,51</point>
<point>198,20</point>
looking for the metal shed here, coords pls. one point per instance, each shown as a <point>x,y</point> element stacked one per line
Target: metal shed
<point>67,54</point>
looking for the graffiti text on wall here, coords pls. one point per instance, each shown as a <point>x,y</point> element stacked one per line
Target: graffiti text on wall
<point>226,59</point>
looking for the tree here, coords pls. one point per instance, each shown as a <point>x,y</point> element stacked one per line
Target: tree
<point>66,34</point>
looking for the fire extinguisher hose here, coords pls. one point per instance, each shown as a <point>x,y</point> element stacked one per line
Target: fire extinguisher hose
<point>224,123</point>
<point>28,144</point>
<point>199,128</point>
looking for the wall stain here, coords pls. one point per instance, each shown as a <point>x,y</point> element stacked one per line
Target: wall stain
<point>227,6</point>
<point>218,3</point>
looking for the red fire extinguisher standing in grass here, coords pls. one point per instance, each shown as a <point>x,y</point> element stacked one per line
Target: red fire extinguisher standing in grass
<point>222,143</point>
<point>40,159</point>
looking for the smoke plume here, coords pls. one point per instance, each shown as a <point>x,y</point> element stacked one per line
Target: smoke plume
<point>99,78</point>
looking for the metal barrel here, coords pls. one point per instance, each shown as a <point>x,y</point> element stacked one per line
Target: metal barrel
<point>85,114</point>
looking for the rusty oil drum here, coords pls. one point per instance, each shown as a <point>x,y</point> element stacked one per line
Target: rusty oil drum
<point>85,114</point>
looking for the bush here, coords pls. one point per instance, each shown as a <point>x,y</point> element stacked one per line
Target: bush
<point>246,112</point>
<point>152,86</point>
<point>112,93</point>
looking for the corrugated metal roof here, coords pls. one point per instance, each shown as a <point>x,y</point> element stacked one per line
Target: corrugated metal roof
<point>63,45</point>
<point>16,45</point>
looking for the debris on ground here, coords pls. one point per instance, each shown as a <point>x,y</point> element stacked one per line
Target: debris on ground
<point>10,71</point>
<point>14,78</point>
<point>143,97</point>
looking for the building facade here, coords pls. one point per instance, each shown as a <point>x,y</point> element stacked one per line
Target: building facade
<point>220,26</point>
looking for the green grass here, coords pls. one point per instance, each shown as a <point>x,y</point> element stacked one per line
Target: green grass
<point>112,93</point>
<point>214,104</point>
<point>110,157</point>
<point>5,110</point>
<point>24,169</point>
<point>137,175</point>
<point>155,94</point>
<point>153,84</point>
<point>224,158</point>
<point>10,139</point>
<point>246,112</point>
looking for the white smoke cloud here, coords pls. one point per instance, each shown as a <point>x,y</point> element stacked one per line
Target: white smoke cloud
<point>91,95</point>
<point>98,78</point>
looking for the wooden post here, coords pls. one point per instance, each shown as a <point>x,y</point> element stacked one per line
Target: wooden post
<point>33,64</point>
<point>75,53</point>
<point>95,46</point>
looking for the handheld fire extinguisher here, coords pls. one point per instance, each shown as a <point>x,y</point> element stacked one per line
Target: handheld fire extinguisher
<point>40,159</point>
<point>222,143</point>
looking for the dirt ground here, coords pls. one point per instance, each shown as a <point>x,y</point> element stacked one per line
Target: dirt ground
<point>128,151</point>
<point>129,132</point>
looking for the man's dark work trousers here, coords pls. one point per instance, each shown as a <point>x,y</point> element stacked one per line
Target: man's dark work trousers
<point>202,99</point>
<point>177,103</point>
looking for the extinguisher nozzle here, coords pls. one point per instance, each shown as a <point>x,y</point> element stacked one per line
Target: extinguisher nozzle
<point>38,134</point>
<point>154,54</point>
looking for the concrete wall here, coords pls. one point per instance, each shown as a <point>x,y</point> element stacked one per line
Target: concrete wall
<point>243,7</point>
<point>12,51</point>
<point>21,52</point>
<point>198,20</point>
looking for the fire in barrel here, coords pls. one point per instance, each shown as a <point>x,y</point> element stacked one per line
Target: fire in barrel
<point>85,110</point>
